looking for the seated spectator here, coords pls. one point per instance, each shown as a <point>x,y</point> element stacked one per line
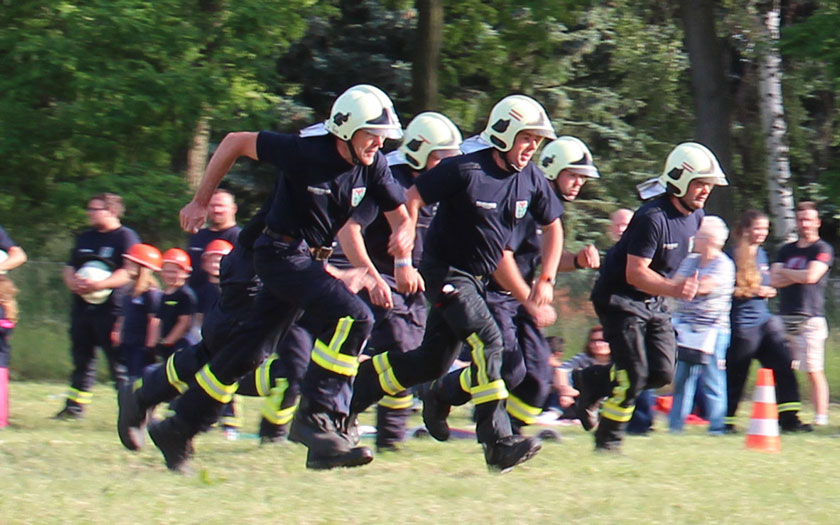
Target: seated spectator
<point>597,352</point>
<point>702,326</point>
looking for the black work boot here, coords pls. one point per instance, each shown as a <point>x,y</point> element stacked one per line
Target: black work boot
<point>271,433</point>
<point>355,457</point>
<point>349,429</point>
<point>790,422</point>
<point>320,431</point>
<point>71,411</point>
<point>435,413</point>
<point>174,439</point>
<point>586,402</point>
<point>608,437</point>
<point>510,451</point>
<point>131,418</point>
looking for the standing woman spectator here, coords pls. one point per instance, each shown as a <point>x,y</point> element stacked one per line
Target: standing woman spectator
<point>702,326</point>
<point>757,333</point>
<point>92,319</point>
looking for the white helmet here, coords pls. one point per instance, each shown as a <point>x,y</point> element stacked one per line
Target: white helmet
<point>428,132</point>
<point>687,162</point>
<point>95,270</point>
<point>513,114</point>
<point>567,153</point>
<point>363,107</point>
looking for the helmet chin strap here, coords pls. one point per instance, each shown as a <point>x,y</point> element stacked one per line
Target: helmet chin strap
<point>356,160</point>
<point>508,164</point>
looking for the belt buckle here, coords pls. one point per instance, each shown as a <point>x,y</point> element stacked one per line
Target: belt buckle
<point>321,253</point>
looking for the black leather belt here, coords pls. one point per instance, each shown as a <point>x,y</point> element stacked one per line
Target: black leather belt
<point>319,253</point>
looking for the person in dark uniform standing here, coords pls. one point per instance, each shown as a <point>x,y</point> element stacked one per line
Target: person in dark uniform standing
<point>138,325</point>
<point>481,196</point>
<point>91,325</point>
<point>567,163</point>
<point>628,296</point>
<point>221,224</point>
<point>324,175</point>
<point>399,319</point>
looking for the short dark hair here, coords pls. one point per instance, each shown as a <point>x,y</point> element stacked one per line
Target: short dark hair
<point>807,206</point>
<point>112,201</point>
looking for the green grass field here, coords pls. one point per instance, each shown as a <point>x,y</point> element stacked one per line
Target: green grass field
<point>77,472</point>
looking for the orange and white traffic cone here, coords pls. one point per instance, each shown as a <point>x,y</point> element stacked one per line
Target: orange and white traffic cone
<point>763,434</point>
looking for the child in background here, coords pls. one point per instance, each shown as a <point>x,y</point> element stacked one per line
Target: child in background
<point>178,304</point>
<point>8,318</point>
<point>137,328</point>
<point>208,293</point>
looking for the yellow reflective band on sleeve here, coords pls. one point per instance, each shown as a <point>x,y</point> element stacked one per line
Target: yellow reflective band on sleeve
<point>79,396</point>
<point>477,346</point>
<point>793,406</point>
<point>397,403</point>
<point>494,391</point>
<point>522,411</point>
<point>137,385</point>
<point>465,379</point>
<point>213,387</point>
<point>612,408</point>
<point>330,357</point>
<point>387,379</point>
<point>172,376</point>
<point>262,376</point>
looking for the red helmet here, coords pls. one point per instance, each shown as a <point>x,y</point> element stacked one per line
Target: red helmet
<point>144,255</point>
<point>179,257</point>
<point>218,247</point>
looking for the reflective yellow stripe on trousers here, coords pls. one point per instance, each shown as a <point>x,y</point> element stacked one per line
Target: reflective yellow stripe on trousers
<point>387,379</point>
<point>397,403</point>
<point>612,409</point>
<point>329,356</point>
<point>522,411</point>
<point>172,376</point>
<point>213,387</point>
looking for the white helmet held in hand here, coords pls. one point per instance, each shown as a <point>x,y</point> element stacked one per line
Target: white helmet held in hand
<point>428,132</point>
<point>363,107</point>
<point>567,153</point>
<point>95,270</point>
<point>513,114</point>
<point>687,162</point>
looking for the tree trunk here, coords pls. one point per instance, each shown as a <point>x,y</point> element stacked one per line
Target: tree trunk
<point>711,94</point>
<point>197,156</point>
<point>773,122</point>
<point>424,72</point>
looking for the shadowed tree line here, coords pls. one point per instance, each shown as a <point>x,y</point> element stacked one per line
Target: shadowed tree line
<point>129,95</point>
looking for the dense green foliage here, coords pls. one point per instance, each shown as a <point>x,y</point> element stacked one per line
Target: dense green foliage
<point>98,95</point>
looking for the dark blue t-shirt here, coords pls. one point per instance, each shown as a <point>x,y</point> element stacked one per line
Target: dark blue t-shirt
<point>197,242</point>
<point>173,305</point>
<point>377,232</point>
<point>108,247</point>
<point>526,244</point>
<point>752,311</point>
<point>317,190</point>
<point>657,231</point>
<point>6,242</point>
<point>136,312</point>
<point>804,299</point>
<point>206,294</point>
<point>480,204</point>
